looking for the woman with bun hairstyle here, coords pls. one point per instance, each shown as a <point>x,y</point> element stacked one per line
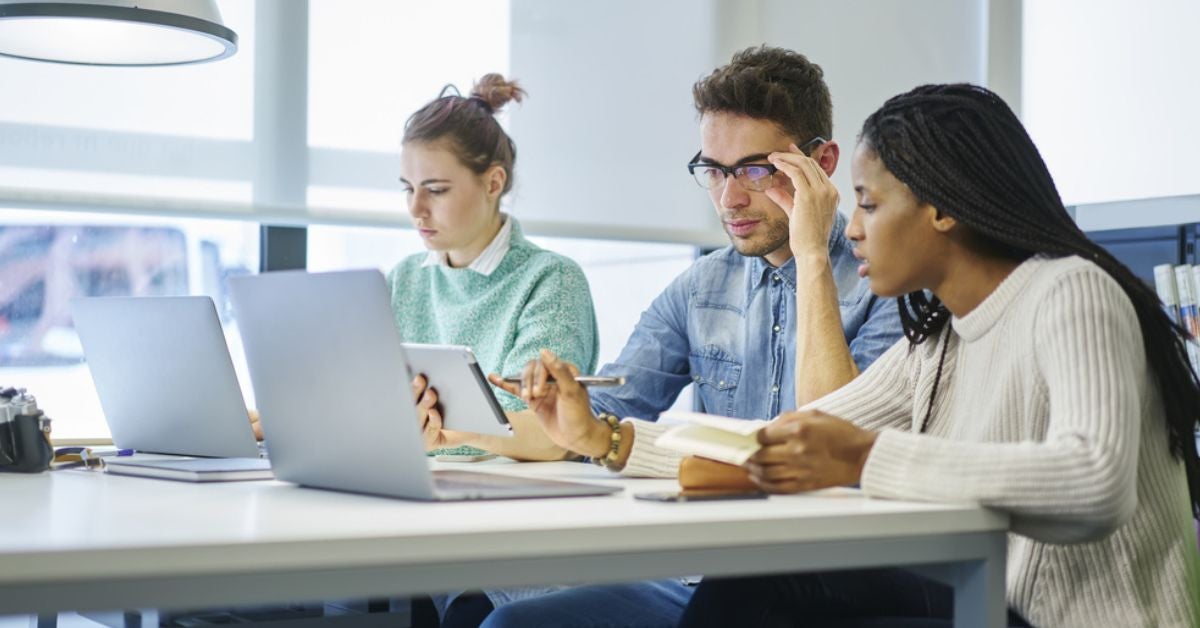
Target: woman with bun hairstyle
<point>481,284</point>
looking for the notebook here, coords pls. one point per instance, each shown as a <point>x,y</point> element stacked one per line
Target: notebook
<point>331,381</point>
<point>194,469</point>
<point>721,438</point>
<point>164,376</point>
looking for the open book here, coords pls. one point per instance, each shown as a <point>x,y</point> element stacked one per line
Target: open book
<point>719,438</point>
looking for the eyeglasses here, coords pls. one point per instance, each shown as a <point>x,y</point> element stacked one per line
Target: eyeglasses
<point>755,177</point>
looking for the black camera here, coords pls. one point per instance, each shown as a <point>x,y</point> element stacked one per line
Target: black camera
<point>24,433</point>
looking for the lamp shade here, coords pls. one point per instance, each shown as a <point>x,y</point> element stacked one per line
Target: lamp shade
<point>115,32</point>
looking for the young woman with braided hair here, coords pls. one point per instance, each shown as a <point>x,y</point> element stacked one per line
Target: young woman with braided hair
<point>1042,379</point>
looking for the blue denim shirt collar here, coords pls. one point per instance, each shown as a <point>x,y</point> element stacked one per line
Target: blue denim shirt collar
<point>759,270</point>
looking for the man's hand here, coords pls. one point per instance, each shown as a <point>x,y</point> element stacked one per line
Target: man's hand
<point>811,206</point>
<point>561,405</point>
<point>429,417</point>
<point>808,450</point>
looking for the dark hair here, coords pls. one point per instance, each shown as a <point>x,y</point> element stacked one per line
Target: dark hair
<point>961,149</point>
<point>468,125</point>
<point>773,84</point>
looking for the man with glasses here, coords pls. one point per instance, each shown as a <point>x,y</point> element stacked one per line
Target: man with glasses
<point>777,319</point>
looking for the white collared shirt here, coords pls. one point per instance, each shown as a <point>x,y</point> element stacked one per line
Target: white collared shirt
<point>488,260</point>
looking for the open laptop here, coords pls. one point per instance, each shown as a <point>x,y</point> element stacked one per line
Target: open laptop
<point>164,377</point>
<point>332,384</point>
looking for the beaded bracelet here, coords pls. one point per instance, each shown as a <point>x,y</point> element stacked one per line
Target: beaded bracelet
<point>609,460</point>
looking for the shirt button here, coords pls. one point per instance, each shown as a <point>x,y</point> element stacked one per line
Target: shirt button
<point>776,328</point>
<point>774,389</point>
<point>695,378</point>
<point>775,278</point>
<point>721,383</point>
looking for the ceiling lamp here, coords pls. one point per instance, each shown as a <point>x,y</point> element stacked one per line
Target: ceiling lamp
<point>115,32</point>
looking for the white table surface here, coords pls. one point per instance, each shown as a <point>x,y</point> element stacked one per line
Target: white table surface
<point>78,540</point>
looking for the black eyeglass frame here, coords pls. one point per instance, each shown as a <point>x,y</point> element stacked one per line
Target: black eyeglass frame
<point>728,171</point>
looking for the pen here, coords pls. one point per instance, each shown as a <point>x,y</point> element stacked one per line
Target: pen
<point>589,381</point>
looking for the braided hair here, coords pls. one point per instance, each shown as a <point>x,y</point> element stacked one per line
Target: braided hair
<point>961,149</point>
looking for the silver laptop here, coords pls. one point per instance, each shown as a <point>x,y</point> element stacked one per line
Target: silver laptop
<point>332,385</point>
<point>164,377</point>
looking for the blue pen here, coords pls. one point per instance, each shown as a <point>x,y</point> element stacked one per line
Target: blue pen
<point>88,454</point>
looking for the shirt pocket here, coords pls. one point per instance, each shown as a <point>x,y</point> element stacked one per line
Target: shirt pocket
<point>715,373</point>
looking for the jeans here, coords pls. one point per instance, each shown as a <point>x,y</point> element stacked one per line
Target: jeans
<point>626,605</point>
<point>842,599</point>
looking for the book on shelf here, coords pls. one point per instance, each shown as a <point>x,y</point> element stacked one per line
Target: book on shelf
<point>194,469</point>
<point>1168,292</point>
<point>720,438</point>
<point>1178,288</point>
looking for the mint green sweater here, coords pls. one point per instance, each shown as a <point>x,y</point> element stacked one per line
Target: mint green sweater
<point>534,299</point>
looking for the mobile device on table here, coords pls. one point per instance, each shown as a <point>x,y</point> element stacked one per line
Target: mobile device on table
<point>588,381</point>
<point>699,495</point>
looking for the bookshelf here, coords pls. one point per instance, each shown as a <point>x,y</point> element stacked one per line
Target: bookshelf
<point>1153,233</point>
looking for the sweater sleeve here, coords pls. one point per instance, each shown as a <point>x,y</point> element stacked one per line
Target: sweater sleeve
<point>880,397</point>
<point>558,315</point>
<point>1079,482</point>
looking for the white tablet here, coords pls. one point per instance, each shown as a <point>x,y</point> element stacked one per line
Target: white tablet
<point>466,398</point>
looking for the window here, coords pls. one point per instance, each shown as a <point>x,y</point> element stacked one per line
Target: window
<point>407,51</point>
<point>178,132</point>
<point>48,258</point>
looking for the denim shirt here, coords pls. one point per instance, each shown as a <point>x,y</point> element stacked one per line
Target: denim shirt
<point>728,325</point>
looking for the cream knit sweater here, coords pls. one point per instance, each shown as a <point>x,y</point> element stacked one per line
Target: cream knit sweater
<point>1046,410</point>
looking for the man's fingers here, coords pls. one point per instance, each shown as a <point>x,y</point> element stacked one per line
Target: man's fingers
<point>789,165</point>
<point>783,199</point>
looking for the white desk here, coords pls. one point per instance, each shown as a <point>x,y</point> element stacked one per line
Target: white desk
<point>75,540</point>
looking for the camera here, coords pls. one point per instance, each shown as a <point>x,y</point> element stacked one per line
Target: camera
<point>24,433</point>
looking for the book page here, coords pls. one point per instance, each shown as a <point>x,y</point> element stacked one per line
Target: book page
<point>745,427</point>
<point>709,442</point>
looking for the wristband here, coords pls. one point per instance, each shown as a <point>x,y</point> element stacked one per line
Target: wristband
<point>609,460</point>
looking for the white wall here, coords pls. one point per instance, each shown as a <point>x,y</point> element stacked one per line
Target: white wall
<point>1111,97</point>
<point>609,124</point>
<point>609,127</point>
<point>872,50</point>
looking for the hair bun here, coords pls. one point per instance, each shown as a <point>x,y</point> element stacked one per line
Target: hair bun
<point>495,91</point>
